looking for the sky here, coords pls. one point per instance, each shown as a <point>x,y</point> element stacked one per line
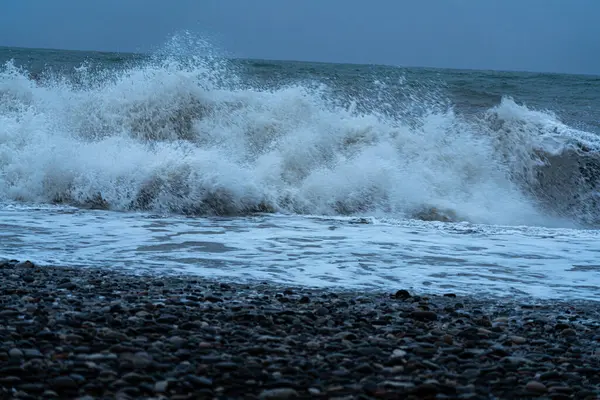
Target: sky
<point>531,35</point>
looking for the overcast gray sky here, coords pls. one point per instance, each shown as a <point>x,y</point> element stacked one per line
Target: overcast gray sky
<point>535,35</point>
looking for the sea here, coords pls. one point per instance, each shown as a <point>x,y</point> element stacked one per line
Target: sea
<point>363,177</point>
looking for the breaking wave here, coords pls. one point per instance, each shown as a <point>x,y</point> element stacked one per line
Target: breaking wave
<point>190,135</point>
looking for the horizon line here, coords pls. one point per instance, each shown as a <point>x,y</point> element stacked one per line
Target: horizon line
<point>140,53</point>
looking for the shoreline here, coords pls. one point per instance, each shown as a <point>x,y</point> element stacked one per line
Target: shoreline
<point>71,333</point>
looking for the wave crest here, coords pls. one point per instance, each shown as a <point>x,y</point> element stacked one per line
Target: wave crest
<point>558,166</point>
<point>168,135</point>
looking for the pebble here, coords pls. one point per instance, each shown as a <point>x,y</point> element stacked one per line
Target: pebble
<point>322,311</point>
<point>398,353</point>
<point>63,383</point>
<point>518,340</point>
<point>424,315</point>
<point>32,353</point>
<point>32,387</point>
<point>177,341</point>
<point>560,389</point>
<point>9,380</point>
<point>515,360</point>
<point>67,286</point>
<point>167,319</point>
<point>100,357</point>
<point>135,378</point>
<point>15,353</point>
<point>535,386</point>
<point>402,294</point>
<point>550,375</point>
<point>199,381</point>
<point>86,397</point>
<point>277,394</point>
<point>568,333</point>
<point>161,386</point>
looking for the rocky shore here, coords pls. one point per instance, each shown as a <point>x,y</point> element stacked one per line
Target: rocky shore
<point>98,334</point>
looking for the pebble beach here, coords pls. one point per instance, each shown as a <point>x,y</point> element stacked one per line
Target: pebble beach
<point>74,333</point>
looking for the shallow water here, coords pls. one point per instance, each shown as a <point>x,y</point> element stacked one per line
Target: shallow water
<point>368,254</point>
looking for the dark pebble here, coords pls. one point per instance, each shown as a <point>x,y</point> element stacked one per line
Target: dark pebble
<point>33,387</point>
<point>46,335</point>
<point>199,381</point>
<point>424,315</point>
<point>32,353</point>
<point>167,319</point>
<point>550,375</point>
<point>561,326</point>
<point>9,380</point>
<point>63,383</point>
<point>402,294</point>
<point>321,311</point>
<point>426,389</point>
<point>67,286</point>
<point>568,333</point>
<point>364,369</point>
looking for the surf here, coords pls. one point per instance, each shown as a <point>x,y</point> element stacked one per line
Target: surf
<point>191,134</point>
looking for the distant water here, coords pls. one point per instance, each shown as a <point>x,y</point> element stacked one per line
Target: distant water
<point>308,173</point>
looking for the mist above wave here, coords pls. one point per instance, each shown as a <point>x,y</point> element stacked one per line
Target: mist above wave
<point>189,135</point>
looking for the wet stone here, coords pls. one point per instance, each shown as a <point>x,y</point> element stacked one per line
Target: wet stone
<point>32,353</point>
<point>33,387</point>
<point>534,386</point>
<point>199,381</point>
<point>167,319</point>
<point>161,386</point>
<point>570,333</point>
<point>67,285</point>
<point>16,353</point>
<point>321,311</point>
<point>402,294</point>
<point>213,299</point>
<point>424,315</point>
<point>9,380</point>
<point>63,383</point>
<point>278,394</point>
<point>550,375</point>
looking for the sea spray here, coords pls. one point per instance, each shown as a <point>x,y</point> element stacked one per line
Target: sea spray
<point>191,134</point>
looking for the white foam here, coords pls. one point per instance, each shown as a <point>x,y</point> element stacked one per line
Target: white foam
<point>427,257</point>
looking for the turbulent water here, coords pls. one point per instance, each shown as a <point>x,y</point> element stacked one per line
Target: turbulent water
<point>184,139</point>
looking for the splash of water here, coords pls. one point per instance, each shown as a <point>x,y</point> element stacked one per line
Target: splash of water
<point>177,134</point>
